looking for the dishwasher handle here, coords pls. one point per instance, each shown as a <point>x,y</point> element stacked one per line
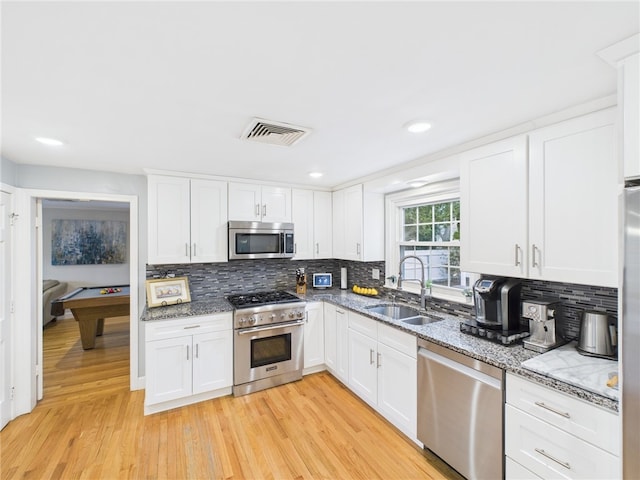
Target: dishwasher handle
<point>458,367</point>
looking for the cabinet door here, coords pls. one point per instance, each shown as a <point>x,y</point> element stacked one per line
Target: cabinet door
<point>169,220</point>
<point>330,338</point>
<point>342,346</point>
<point>208,221</point>
<point>245,202</point>
<point>276,204</point>
<point>212,361</point>
<point>630,72</point>
<point>302,216</point>
<point>168,364</point>
<point>314,335</point>
<point>322,225</point>
<point>353,223</point>
<point>397,388</point>
<point>493,208</point>
<point>573,231</point>
<point>362,366</point>
<point>339,219</point>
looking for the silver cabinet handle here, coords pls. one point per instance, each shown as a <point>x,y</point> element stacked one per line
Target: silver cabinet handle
<point>191,326</point>
<point>264,210</point>
<point>379,358</point>
<point>358,248</point>
<point>194,250</point>
<point>197,350</point>
<point>186,249</point>
<point>306,315</point>
<point>371,357</point>
<point>517,255</point>
<point>551,457</point>
<point>317,248</point>
<point>533,256</point>
<point>295,248</point>
<point>551,409</point>
<point>257,209</point>
<point>187,352</point>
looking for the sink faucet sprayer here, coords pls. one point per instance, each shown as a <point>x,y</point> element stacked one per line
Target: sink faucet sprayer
<point>423,290</point>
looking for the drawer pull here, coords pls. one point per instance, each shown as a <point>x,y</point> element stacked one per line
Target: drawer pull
<point>551,409</point>
<point>191,326</point>
<point>551,457</point>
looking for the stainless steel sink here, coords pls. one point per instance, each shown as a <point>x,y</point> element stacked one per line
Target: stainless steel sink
<point>397,312</point>
<point>420,320</point>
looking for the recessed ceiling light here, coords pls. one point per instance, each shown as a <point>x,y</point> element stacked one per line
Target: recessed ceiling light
<point>417,126</point>
<point>51,142</point>
<point>316,174</point>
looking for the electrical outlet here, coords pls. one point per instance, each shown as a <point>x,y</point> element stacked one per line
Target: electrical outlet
<point>375,273</point>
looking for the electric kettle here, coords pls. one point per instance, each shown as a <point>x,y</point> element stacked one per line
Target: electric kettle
<point>598,335</point>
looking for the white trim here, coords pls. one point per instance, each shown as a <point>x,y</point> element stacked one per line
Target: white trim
<point>26,288</point>
<point>9,284</point>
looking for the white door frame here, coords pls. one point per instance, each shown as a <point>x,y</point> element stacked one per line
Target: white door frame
<point>28,301</point>
<point>6,336</point>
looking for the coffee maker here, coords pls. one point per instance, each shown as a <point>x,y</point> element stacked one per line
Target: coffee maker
<point>542,315</point>
<point>497,303</point>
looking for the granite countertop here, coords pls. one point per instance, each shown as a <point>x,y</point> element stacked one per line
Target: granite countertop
<point>446,333</point>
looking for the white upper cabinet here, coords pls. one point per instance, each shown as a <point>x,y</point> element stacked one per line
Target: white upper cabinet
<point>573,213</point>
<point>259,203</point>
<point>187,220</point>
<point>358,224</point>
<point>493,208</point>
<point>625,56</point>
<point>555,219</point>
<point>311,216</point>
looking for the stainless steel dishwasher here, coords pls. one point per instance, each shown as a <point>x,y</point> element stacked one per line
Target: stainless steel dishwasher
<point>460,411</point>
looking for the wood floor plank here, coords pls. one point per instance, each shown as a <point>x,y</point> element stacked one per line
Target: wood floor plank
<point>90,426</point>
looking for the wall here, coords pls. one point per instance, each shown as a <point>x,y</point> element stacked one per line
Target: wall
<point>8,172</point>
<point>246,276</point>
<point>83,275</point>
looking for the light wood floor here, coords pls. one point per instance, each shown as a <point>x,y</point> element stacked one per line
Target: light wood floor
<point>89,425</point>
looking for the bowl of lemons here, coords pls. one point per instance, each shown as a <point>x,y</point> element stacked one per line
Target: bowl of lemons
<point>367,291</point>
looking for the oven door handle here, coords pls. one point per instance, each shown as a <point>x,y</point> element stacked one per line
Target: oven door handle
<point>270,327</point>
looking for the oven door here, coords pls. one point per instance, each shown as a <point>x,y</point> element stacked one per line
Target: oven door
<point>263,352</point>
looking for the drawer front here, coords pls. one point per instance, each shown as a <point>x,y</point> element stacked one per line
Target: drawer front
<point>589,422</point>
<point>553,453</point>
<point>398,340</point>
<point>162,329</point>
<point>364,325</point>
<point>514,471</point>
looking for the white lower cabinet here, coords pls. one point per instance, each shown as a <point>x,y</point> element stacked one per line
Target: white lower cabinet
<point>335,342</point>
<point>314,338</point>
<point>553,435</point>
<point>383,370</point>
<point>187,360</point>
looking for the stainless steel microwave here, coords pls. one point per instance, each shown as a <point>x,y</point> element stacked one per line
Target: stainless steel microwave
<point>249,240</point>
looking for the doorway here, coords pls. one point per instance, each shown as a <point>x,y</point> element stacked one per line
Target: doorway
<point>63,271</point>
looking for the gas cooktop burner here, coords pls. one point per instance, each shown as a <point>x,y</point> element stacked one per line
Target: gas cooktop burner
<point>261,298</point>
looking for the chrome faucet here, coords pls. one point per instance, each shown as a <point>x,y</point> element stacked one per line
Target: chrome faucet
<point>423,290</point>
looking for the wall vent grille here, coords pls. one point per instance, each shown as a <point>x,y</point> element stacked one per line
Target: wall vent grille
<point>274,133</point>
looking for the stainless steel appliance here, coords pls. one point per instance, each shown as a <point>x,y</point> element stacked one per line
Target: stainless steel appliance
<point>630,334</point>
<point>250,240</point>
<point>542,315</point>
<point>268,346</point>
<point>497,311</point>
<point>460,415</point>
<point>598,335</point>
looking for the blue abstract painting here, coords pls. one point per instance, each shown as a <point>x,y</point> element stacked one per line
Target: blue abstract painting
<point>88,242</point>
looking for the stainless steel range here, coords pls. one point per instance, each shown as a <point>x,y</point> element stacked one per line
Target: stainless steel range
<point>268,340</point>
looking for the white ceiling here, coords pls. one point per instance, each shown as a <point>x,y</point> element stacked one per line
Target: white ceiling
<point>172,85</point>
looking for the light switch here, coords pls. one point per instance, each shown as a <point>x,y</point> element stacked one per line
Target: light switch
<point>375,273</point>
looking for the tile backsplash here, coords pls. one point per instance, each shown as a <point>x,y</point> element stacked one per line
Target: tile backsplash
<point>215,279</point>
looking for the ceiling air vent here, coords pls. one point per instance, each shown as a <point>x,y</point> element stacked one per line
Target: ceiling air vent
<point>274,133</point>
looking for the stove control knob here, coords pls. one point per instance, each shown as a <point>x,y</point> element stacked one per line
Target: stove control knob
<point>283,316</point>
<point>252,320</point>
<point>300,314</point>
<point>291,314</point>
<point>241,320</point>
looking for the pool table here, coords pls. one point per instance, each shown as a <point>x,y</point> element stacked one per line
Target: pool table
<point>90,307</point>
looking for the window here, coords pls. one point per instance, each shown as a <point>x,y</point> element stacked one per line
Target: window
<point>427,226</point>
